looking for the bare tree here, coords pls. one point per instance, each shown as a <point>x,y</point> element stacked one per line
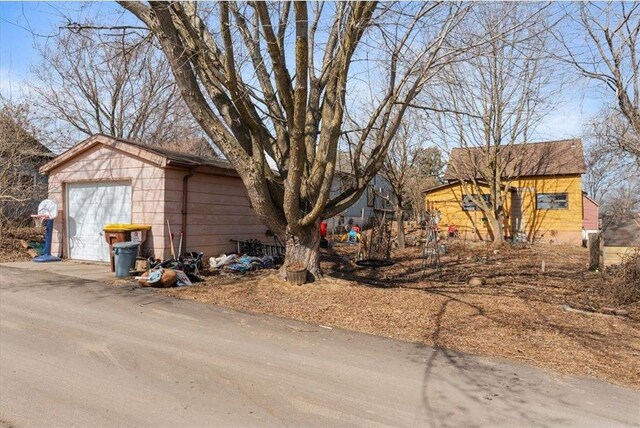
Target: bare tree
<point>608,165</point>
<point>21,185</point>
<point>427,172</point>
<point>621,205</point>
<point>408,167</point>
<point>113,82</point>
<point>275,80</point>
<point>608,51</point>
<point>493,101</point>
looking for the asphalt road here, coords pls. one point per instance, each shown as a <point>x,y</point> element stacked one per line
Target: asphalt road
<point>81,353</point>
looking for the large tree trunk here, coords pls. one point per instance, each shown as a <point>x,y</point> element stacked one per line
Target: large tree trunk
<point>400,222</point>
<point>497,227</point>
<point>303,249</point>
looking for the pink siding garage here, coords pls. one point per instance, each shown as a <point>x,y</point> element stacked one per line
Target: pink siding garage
<point>589,216</point>
<point>107,180</point>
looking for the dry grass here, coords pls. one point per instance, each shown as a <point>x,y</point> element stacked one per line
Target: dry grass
<point>620,285</point>
<point>516,315</point>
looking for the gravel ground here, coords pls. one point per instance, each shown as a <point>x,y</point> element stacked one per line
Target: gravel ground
<point>520,313</point>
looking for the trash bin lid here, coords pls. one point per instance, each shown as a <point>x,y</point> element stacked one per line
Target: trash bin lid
<point>125,227</point>
<point>126,244</point>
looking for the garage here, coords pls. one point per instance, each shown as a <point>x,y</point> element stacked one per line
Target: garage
<point>89,207</point>
<point>105,180</point>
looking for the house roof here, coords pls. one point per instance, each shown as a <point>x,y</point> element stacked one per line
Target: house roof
<point>584,194</point>
<point>32,147</point>
<point>625,233</point>
<point>158,155</point>
<point>29,146</point>
<point>456,182</point>
<point>562,157</point>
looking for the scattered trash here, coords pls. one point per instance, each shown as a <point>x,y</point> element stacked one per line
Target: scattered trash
<point>222,260</point>
<point>158,277</point>
<point>33,248</point>
<point>249,263</point>
<point>182,279</point>
<point>241,264</point>
<point>181,272</point>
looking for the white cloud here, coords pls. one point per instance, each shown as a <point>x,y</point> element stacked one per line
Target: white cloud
<point>12,86</point>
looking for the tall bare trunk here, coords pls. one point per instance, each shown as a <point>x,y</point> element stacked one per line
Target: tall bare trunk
<point>400,222</point>
<point>303,249</point>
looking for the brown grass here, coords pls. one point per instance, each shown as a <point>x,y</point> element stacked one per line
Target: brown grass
<point>518,314</point>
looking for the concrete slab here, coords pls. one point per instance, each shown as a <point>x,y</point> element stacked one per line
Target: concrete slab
<point>100,272</point>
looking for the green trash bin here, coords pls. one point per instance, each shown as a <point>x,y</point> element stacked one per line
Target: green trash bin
<point>125,257</point>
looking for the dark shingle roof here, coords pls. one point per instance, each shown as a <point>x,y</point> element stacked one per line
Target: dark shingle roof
<point>563,157</point>
<point>181,158</point>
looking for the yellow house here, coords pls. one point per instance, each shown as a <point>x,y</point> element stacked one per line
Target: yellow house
<point>541,190</point>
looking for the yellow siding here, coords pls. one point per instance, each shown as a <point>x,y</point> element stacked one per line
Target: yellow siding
<point>557,225</point>
<point>449,202</point>
<point>615,255</point>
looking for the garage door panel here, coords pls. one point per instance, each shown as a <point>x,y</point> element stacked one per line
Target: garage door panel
<point>90,206</point>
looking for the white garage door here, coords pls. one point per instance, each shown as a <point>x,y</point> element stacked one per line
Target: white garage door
<point>90,206</point>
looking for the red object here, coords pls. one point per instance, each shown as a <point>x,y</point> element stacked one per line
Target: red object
<point>323,229</point>
<point>453,230</point>
<point>356,228</point>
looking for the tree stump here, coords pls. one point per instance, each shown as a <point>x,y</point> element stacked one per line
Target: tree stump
<point>595,252</point>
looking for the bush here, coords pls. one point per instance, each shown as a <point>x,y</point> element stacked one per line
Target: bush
<point>623,287</point>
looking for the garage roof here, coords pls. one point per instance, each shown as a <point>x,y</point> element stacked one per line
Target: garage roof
<point>157,155</point>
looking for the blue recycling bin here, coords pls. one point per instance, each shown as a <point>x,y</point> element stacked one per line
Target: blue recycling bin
<point>125,257</point>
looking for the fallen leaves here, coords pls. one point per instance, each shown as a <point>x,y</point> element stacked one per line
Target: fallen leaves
<point>517,314</point>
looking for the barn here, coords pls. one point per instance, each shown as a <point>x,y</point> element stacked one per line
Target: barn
<point>105,180</point>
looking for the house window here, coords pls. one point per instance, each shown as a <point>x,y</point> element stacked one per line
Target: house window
<point>552,201</point>
<point>469,205</point>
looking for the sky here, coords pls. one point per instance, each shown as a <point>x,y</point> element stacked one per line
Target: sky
<point>25,24</point>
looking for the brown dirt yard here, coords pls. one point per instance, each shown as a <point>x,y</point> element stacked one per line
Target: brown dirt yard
<point>521,313</point>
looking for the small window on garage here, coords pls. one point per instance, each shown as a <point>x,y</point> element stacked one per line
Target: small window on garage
<point>552,201</point>
<point>469,205</point>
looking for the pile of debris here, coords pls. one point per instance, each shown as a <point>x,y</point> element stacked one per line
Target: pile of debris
<point>20,243</point>
<point>241,264</point>
<point>252,255</point>
<point>179,272</point>
<point>617,292</point>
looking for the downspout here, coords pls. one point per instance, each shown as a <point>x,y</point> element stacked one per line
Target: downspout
<point>185,193</point>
